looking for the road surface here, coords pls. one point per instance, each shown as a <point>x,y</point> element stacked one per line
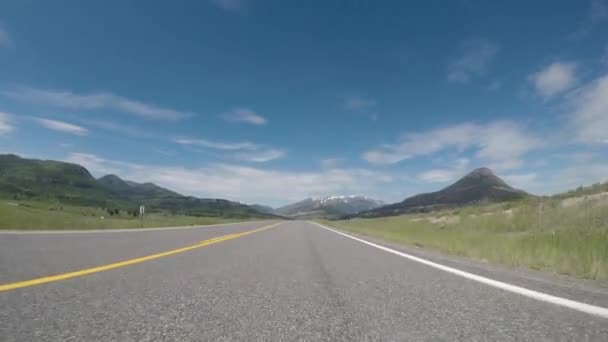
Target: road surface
<point>291,281</point>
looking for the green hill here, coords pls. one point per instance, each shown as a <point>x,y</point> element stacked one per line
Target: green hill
<point>157,198</point>
<point>479,186</point>
<point>54,181</point>
<point>47,180</point>
<point>132,191</point>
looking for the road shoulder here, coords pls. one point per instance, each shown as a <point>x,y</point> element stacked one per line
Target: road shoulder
<point>582,290</point>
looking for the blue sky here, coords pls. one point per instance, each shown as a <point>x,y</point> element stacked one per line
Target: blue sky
<point>273,101</point>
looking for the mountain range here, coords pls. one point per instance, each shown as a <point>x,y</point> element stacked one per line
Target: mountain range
<point>329,207</point>
<point>48,180</point>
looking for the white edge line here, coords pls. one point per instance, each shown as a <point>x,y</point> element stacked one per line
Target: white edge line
<point>125,230</point>
<point>582,307</point>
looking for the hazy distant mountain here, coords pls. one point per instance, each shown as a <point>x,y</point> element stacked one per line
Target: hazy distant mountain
<point>48,180</point>
<point>263,208</point>
<point>332,206</point>
<point>480,185</point>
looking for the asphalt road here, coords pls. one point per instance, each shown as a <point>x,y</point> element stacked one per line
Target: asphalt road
<point>293,281</point>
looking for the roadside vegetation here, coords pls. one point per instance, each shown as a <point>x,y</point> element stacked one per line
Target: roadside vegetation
<point>44,215</point>
<point>565,234</point>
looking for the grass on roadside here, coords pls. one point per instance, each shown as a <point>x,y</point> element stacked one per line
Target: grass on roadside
<point>539,234</point>
<point>43,215</point>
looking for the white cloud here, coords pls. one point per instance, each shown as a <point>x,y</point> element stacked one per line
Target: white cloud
<point>120,128</point>
<point>93,163</point>
<point>495,86</point>
<point>521,181</point>
<point>229,5</point>
<point>244,115</point>
<point>261,185</point>
<point>217,145</point>
<point>5,124</point>
<point>445,175</point>
<point>234,182</point>
<point>424,143</point>
<point>573,176</point>
<point>597,14</point>
<point>476,56</point>
<point>500,143</point>
<point>361,105</point>
<point>5,39</point>
<point>62,126</point>
<point>331,163</point>
<point>598,10</point>
<point>565,179</point>
<point>261,156</point>
<point>247,151</point>
<point>99,166</point>
<point>554,79</point>
<point>355,103</point>
<point>590,115</point>
<point>94,101</point>
<point>505,164</point>
<point>580,170</point>
<point>577,157</point>
<point>437,176</point>
<point>164,152</point>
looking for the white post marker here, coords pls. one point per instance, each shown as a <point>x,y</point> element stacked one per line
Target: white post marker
<point>142,210</point>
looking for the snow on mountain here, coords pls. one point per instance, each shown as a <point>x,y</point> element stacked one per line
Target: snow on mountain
<point>330,206</point>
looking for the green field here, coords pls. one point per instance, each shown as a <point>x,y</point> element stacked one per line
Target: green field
<point>541,234</point>
<point>42,215</point>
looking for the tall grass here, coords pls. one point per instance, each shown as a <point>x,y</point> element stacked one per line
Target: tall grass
<point>540,234</point>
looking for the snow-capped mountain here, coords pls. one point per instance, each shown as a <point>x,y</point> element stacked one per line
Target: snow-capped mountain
<point>330,206</point>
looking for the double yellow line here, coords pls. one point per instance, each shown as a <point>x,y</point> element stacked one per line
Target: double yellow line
<point>87,271</point>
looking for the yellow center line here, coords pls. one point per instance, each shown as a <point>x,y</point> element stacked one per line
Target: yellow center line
<point>87,271</point>
<point>219,238</point>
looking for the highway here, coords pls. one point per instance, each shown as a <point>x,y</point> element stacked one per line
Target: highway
<point>279,281</point>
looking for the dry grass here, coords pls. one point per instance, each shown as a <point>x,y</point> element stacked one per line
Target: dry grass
<point>540,234</point>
